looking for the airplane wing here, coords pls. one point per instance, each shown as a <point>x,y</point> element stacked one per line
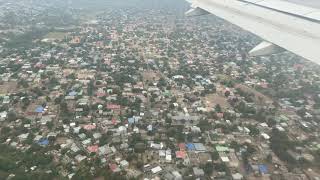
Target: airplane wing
<point>282,24</point>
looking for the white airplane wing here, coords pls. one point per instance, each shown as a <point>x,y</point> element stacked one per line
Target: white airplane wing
<point>282,24</point>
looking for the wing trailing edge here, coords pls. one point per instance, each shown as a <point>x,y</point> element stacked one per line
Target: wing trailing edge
<point>282,27</point>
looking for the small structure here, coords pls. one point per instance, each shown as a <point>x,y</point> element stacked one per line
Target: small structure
<point>93,149</point>
<point>190,147</point>
<point>39,109</point>
<point>43,142</point>
<point>198,172</point>
<point>181,154</point>
<point>156,170</point>
<point>124,164</point>
<point>114,168</point>
<point>237,176</point>
<point>263,169</point>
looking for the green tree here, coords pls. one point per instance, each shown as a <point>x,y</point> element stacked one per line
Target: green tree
<point>218,108</point>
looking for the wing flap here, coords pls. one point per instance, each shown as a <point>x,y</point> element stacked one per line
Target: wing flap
<point>287,7</point>
<point>300,36</point>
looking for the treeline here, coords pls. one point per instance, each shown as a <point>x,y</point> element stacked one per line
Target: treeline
<point>26,39</point>
<point>16,162</point>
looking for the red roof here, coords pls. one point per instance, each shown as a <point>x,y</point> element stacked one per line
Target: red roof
<point>298,66</point>
<point>181,154</point>
<point>89,127</point>
<point>182,146</point>
<point>101,94</point>
<point>113,106</point>
<point>114,121</point>
<point>220,115</point>
<point>93,148</point>
<point>113,167</point>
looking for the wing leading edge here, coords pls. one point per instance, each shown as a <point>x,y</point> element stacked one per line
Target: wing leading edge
<point>276,21</point>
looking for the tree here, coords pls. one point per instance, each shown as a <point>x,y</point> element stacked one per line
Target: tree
<point>64,111</point>
<point>12,116</point>
<point>50,125</point>
<point>218,108</point>
<point>208,168</point>
<point>254,131</point>
<point>227,94</point>
<point>204,125</point>
<point>83,172</point>
<point>25,102</point>
<point>90,88</point>
<point>162,82</point>
<point>280,144</point>
<point>215,156</point>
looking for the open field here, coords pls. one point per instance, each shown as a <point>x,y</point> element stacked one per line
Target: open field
<point>212,100</point>
<point>55,35</point>
<point>8,87</point>
<point>259,97</point>
<point>150,76</point>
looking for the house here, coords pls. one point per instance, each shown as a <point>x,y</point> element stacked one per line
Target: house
<point>190,147</point>
<point>177,175</point>
<point>3,115</point>
<point>90,126</point>
<point>156,146</point>
<point>263,169</point>
<point>198,172</point>
<point>237,176</point>
<point>156,169</point>
<point>23,137</point>
<point>114,168</point>
<point>80,158</point>
<point>222,149</point>
<point>74,148</point>
<point>114,107</point>
<point>199,147</point>
<point>124,164</point>
<point>181,154</point>
<point>43,142</point>
<point>93,149</point>
<point>39,109</point>
<point>265,136</point>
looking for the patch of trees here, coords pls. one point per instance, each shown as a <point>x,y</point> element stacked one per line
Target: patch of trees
<point>26,40</point>
<point>248,153</point>
<point>280,144</point>
<point>249,97</point>
<point>177,132</point>
<point>9,157</point>
<point>245,109</point>
<point>90,89</point>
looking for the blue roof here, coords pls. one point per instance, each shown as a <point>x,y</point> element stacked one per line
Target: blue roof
<point>263,169</point>
<point>72,93</point>
<point>39,109</point>
<point>190,146</point>
<point>130,120</point>
<point>43,142</point>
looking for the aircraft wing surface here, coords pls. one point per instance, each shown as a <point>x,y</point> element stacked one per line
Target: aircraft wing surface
<point>282,23</point>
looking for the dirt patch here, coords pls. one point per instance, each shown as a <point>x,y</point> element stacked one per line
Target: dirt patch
<point>211,100</point>
<point>150,76</point>
<point>61,140</point>
<point>259,97</point>
<point>56,35</point>
<point>8,87</point>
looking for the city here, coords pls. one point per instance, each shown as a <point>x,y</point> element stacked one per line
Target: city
<point>143,92</point>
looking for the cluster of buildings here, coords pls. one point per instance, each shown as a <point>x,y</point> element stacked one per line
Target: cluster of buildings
<point>153,95</point>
